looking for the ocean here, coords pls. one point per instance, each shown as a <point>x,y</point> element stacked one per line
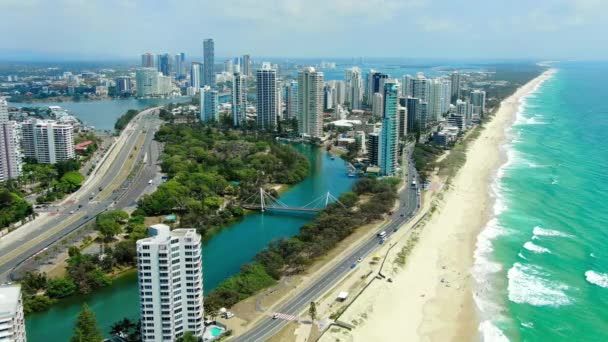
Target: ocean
<point>541,263</point>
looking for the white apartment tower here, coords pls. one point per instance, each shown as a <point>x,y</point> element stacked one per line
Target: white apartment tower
<point>354,87</point>
<point>12,322</point>
<point>47,141</point>
<point>478,101</point>
<point>10,151</point>
<point>169,268</point>
<point>377,104</point>
<point>310,102</point>
<point>239,99</point>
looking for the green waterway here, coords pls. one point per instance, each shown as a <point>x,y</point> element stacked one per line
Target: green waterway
<point>223,254</point>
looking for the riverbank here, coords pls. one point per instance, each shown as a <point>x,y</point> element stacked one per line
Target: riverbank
<point>435,290</point>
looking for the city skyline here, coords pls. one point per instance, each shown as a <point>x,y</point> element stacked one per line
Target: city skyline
<point>522,30</point>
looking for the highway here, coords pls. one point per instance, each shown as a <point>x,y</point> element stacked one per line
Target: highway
<point>409,202</point>
<point>106,188</point>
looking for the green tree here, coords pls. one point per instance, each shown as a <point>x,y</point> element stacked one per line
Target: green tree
<point>312,311</point>
<point>86,329</point>
<point>60,288</point>
<point>188,337</point>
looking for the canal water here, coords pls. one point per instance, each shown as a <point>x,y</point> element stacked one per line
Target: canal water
<point>102,114</point>
<point>223,254</point>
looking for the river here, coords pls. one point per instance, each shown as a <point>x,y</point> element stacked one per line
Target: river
<point>223,254</point>
<point>102,114</point>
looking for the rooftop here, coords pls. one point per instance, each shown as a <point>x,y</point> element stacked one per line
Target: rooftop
<point>9,298</point>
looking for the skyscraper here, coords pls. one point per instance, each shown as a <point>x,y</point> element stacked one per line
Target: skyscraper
<point>402,121</point>
<point>413,113</point>
<point>354,87</point>
<point>123,85</point>
<point>455,90</point>
<point>165,65</point>
<point>208,63</point>
<point>12,321</point>
<point>406,86</point>
<point>291,99</point>
<point>246,65</point>
<point>377,105</point>
<point>266,97</point>
<point>47,141</point>
<point>195,76</point>
<point>239,99</point>
<point>180,65</point>
<point>10,151</point>
<point>310,102</point>
<point>369,85</point>
<point>389,135</point>
<point>228,66</point>
<point>373,148</point>
<point>209,105</point>
<point>420,87</point>
<point>478,101</point>
<point>328,98</point>
<point>147,60</point>
<point>169,270</point>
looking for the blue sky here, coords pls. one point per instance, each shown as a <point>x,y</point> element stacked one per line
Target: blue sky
<point>551,29</point>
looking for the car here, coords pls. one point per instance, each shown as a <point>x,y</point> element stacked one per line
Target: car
<point>359,260</point>
<point>79,206</point>
<point>71,212</point>
<point>402,214</point>
<point>275,316</point>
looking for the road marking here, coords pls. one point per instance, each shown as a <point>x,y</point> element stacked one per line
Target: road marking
<point>285,317</point>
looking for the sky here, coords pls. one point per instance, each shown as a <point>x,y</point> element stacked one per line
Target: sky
<point>459,29</point>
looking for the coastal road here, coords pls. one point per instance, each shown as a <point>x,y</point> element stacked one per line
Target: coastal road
<point>106,189</point>
<point>408,205</point>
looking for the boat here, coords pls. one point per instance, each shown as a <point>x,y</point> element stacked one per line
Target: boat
<point>350,174</point>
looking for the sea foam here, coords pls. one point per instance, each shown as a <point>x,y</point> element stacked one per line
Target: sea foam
<point>528,284</point>
<point>532,247</point>
<point>599,279</point>
<point>491,333</point>
<point>539,231</point>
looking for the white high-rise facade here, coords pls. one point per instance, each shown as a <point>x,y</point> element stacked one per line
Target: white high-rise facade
<point>310,102</point>
<point>12,321</point>
<point>10,150</point>
<point>169,268</point>
<point>151,83</point>
<point>354,87</point>
<point>209,105</point>
<point>291,99</point>
<point>266,97</point>
<point>47,141</point>
<point>195,76</point>
<point>377,104</point>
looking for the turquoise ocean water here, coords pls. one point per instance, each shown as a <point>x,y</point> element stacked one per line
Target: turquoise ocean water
<point>541,263</point>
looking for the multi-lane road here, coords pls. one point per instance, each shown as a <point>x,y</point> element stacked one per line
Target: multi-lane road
<point>409,202</point>
<point>108,187</point>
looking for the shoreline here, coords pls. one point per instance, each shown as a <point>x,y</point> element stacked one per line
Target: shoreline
<point>483,267</point>
<point>435,289</point>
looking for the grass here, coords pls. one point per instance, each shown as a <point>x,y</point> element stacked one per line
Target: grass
<point>406,250</point>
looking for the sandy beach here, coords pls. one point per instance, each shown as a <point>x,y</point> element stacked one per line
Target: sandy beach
<point>431,298</point>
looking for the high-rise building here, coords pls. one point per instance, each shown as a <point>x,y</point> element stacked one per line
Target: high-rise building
<point>147,60</point>
<point>209,105</point>
<point>478,101</point>
<point>208,63</point>
<point>340,88</point>
<point>423,116</point>
<point>402,121</point>
<point>47,141</point>
<point>310,102</point>
<point>12,321</point>
<point>465,109</point>
<point>246,65</point>
<point>413,113</point>
<point>180,66</point>
<point>455,89</point>
<point>123,85</point>
<point>328,97</point>
<point>373,148</point>
<point>406,86</point>
<point>151,83</point>
<point>378,80</point>
<point>239,99</point>
<point>169,270</point>
<point>10,151</point>
<point>354,87</point>
<point>165,64</point>
<point>369,85</point>
<point>195,75</point>
<point>291,99</point>
<point>420,87</point>
<point>377,104</point>
<point>389,135</point>
<point>267,97</point>
<point>228,66</point>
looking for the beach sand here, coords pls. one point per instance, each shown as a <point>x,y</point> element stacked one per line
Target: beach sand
<point>431,299</point>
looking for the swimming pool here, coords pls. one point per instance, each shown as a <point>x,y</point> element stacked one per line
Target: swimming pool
<point>215,331</point>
